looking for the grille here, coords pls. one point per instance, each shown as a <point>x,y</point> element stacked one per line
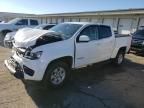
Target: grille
<point>135,41</point>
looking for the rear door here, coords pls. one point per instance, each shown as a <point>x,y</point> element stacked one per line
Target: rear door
<point>105,43</point>
<point>86,52</point>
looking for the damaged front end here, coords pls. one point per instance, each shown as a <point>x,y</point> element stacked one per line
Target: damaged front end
<point>47,39</point>
<point>27,40</point>
<point>26,55</point>
<point>43,40</point>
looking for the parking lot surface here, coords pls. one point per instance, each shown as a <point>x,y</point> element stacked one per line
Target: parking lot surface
<point>99,86</point>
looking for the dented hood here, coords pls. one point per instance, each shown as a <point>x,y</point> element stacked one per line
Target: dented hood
<point>28,37</point>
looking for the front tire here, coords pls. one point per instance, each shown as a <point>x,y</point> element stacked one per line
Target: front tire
<point>56,74</point>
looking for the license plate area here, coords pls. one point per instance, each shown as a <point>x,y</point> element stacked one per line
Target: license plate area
<point>12,63</point>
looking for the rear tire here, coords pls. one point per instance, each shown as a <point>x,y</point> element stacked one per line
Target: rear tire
<point>119,58</point>
<point>56,74</point>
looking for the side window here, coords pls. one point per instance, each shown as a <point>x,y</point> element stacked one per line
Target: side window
<point>91,31</point>
<point>33,22</point>
<point>104,32</point>
<point>22,22</point>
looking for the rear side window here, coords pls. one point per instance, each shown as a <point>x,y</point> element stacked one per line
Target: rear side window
<point>33,22</point>
<point>104,32</point>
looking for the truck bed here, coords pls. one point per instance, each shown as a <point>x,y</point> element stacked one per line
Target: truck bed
<point>121,41</point>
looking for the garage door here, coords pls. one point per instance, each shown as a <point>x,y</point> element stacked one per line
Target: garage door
<point>54,20</point>
<point>83,19</point>
<point>109,22</point>
<point>124,26</point>
<point>44,20</point>
<point>59,20</point>
<point>94,20</point>
<point>66,19</point>
<point>75,19</point>
<point>141,23</point>
<point>48,20</point>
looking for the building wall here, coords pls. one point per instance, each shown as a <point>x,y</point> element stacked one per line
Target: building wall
<point>124,24</point>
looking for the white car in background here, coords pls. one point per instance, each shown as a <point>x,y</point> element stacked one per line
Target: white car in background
<point>9,38</point>
<point>15,25</point>
<point>49,55</point>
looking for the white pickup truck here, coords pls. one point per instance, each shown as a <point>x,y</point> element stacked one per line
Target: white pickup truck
<point>16,24</point>
<point>50,55</point>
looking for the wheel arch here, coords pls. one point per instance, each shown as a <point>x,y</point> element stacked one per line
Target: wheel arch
<point>122,49</point>
<point>66,59</point>
<point>6,30</point>
<point>3,34</point>
<point>116,51</point>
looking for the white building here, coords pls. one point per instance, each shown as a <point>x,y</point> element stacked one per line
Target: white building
<point>124,21</point>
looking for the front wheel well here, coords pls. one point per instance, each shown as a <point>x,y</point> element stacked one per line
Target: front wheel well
<point>67,59</point>
<point>3,34</point>
<point>6,31</point>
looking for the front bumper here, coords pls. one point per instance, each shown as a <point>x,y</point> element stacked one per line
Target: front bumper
<point>17,70</point>
<point>30,69</point>
<point>137,48</point>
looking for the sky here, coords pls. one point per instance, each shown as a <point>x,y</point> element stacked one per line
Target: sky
<point>62,6</point>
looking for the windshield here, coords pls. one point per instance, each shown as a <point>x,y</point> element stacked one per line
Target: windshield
<point>139,32</point>
<point>14,21</point>
<point>65,29</point>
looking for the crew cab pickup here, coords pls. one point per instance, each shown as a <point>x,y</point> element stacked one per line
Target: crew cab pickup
<point>16,24</point>
<point>50,55</point>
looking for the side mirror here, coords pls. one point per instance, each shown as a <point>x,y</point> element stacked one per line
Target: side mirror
<point>84,38</point>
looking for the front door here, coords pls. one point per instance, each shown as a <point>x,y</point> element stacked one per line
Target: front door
<point>86,52</point>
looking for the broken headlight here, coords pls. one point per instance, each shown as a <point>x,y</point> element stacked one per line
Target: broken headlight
<point>33,55</point>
